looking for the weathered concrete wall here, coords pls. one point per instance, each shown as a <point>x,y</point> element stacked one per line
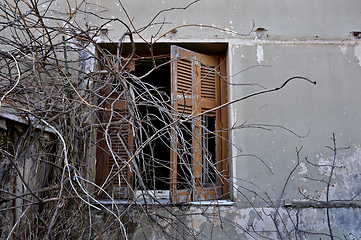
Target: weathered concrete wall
<point>283,19</point>
<point>246,223</point>
<point>311,111</point>
<point>306,38</point>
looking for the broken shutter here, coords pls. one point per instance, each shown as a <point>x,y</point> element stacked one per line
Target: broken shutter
<point>113,171</point>
<point>197,87</point>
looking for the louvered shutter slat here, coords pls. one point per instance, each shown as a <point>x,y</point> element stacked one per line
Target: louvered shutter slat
<point>115,166</point>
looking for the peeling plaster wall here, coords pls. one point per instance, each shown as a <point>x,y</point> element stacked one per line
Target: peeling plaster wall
<point>306,38</point>
<point>313,112</point>
<point>246,223</point>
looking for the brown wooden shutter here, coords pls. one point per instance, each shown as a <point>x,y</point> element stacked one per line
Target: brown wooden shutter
<point>197,87</point>
<point>113,171</point>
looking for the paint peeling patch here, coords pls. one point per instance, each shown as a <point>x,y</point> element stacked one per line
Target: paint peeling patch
<point>358,53</point>
<point>346,177</point>
<point>195,221</point>
<point>242,218</point>
<point>260,53</point>
<point>303,168</point>
<point>344,49</point>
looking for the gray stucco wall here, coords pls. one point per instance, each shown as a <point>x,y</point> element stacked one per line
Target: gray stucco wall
<point>314,112</point>
<point>306,38</point>
<point>284,19</point>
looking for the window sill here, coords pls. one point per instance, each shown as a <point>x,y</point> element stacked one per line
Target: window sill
<point>225,202</point>
<point>166,202</point>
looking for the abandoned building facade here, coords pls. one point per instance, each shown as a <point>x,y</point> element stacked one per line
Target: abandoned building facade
<point>182,119</point>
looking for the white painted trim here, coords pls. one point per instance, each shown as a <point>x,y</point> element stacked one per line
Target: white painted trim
<point>231,122</point>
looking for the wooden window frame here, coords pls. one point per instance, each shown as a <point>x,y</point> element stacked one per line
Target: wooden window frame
<point>197,102</point>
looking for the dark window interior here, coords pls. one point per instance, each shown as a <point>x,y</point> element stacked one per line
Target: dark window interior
<point>154,166</point>
<point>155,170</point>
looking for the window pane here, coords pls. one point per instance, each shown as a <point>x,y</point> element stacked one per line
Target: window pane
<point>209,152</point>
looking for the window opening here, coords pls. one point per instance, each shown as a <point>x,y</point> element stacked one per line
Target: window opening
<point>191,159</point>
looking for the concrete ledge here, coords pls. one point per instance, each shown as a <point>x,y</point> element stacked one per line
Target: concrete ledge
<point>322,204</point>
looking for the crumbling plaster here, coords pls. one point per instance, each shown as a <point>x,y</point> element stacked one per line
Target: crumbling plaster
<point>256,223</point>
